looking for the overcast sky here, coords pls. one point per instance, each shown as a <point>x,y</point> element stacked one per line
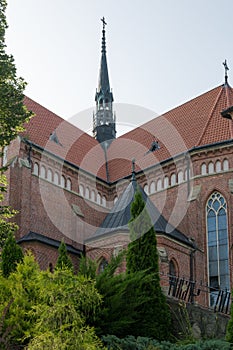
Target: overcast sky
<point>160,53</point>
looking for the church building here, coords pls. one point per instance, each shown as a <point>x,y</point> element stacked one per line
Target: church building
<point>67,185</point>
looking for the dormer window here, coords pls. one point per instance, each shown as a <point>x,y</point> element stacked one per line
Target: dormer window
<point>153,147</point>
<point>53,137</point>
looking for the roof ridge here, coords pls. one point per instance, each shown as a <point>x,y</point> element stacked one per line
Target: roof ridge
<point>172,110</point>
<point>210,115</point>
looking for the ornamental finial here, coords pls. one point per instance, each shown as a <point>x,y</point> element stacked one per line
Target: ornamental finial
<point>226,69</point>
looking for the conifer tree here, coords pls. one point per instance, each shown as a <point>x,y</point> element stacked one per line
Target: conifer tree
<point>11,255</point>
<point>153,317</point>
<point>63,261</point>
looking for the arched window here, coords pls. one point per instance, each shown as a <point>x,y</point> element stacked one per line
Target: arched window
<point>152,187</point>
<point>173,179</point>
<point>225,164</point>
<point>103,264</point>
<point>218,166</point>
<point>63,181</point>
<point>217,238</point>
<point>69,185</point>
<point>56,179</point>
<point>93,196</point>
<point>43,172</point>
<point>166,182</point>
<point>50,175</point>
<point>87,193</point>
<point>81,190</point>
<point>180,176</point>
<point>36,169</point>
<point>98,199</point>
<point>172,268</point>
<point>146,189</point>
<point>104,201</point>
<point>211,168</point>
<point>159,185</point>
<point>203,169</point>
<point>115,200</point>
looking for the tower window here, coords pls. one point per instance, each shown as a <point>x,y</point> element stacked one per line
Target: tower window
<point>217,237</point>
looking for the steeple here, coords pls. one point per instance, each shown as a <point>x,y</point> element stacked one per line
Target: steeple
<point>104,123</point>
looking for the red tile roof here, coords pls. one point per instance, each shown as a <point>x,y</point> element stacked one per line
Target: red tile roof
<point>195,123</point>
<point>74,145</point>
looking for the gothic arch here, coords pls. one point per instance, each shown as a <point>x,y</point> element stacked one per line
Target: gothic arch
<point>49,175</point>
<point>102,264</point>
<point>81,190</point>
<point>87,193</point>
<point>203,169</point>
<point>211,169</point>
<point>69,184</point>
<point>225,164</point>
<point>173,267</point>
<point>173,179</point>
<point>36,169</point>
<point>146,189</point>
<point>43,172</point>
<point>152,187</point>
<point>217,245</point>
<point>218,166</point>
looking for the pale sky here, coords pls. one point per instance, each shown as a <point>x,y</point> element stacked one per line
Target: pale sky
<point>161,53</point>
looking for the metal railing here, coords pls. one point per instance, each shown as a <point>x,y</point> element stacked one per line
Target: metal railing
<point>187,291</point>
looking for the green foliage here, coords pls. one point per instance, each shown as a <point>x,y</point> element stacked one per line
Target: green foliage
<point>6,213</point>
<point>152,317</point>
<point>63,261</point>
<point>142,251</point>
<point>48,310</point>
<point>13,114</point>
<point>11,255</point>
<point>229,335</point>
<point>142,343</point>
<point>87,267</point>
<point>130,343</point>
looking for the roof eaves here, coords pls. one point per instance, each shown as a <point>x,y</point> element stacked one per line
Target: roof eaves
<point>63,160</point>
<point>37,237</point>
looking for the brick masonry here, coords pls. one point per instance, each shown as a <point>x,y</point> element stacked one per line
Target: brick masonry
<point>48,209</point>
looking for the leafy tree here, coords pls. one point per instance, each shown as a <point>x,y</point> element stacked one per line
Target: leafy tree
<point>63,260</point>
<point>47,310</point>
<point>153,317</point>
<point>11,255</point>
<point>65,302</point>
<point>13,114</point>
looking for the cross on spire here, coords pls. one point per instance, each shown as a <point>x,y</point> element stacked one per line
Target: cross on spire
<point>104,23</point>
<point>226,69</point>
<point>133,170</point>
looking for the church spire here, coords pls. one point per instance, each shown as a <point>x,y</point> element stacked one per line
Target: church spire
<point>103,73</point>
<point>104,129</point>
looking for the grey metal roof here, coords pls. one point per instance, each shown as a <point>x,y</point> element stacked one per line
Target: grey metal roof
<point>119,216</point>
<point>37,237</point>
